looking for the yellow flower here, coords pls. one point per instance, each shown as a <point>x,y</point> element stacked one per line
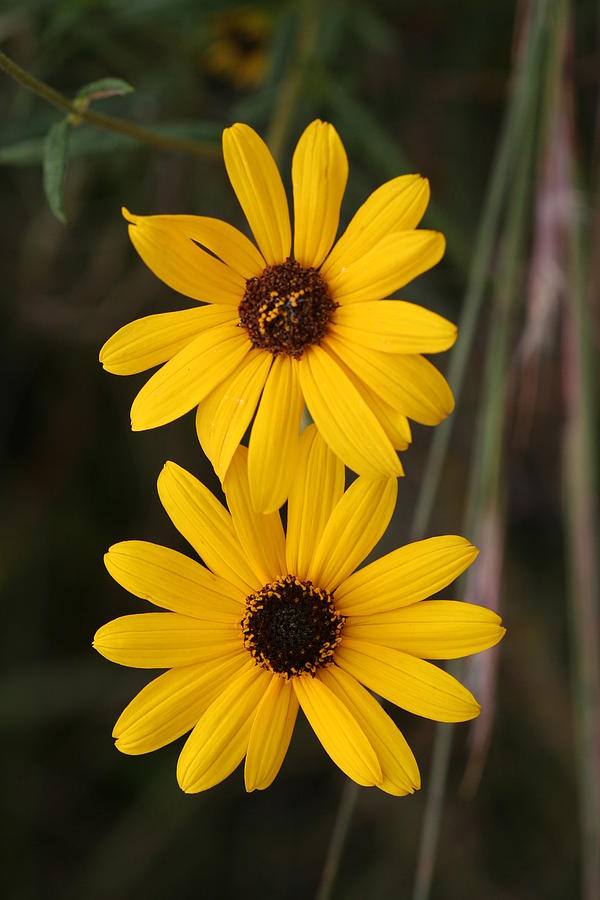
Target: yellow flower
<point>281,621</point>
<point>279,331</point>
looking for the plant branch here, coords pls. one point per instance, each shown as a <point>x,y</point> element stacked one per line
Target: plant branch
<point>100,120</point>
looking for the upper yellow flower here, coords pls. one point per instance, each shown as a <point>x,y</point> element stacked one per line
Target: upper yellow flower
<point>283,620</point>
<point>281,330</point>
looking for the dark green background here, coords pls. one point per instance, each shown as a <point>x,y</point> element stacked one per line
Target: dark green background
<point>412,86</point>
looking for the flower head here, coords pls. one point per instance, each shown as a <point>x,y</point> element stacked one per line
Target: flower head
<point>275,621</point>
<point>279,330</point>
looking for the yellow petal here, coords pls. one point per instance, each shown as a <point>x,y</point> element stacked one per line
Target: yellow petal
<point>426,395</point>
<point>343,418</point>
<point>181,264</point>
<point>162,640</point>
<point>223,417</point>
<point>393,326</point>
<point>172,704</point>
<point>431,629</point>
<point>405,576</point>
<point>270,734</point>
<point>398,764</point>
<point>220,238</point>
<point>260,535</point>
<point>153,340</point>
<point>354,527</point>
<point>319,175</point>
<point>317,486</point>
<point>410,384</point>
<point>206,525</point>
<point>340,734</point>
<point>274,439</point>
<point>394,423</point>
<point>189,376</point>
<point>391,264</point>
<point>398,205</point>
<point>218,743</point>
<point>410,683</point>
<point>173,581</point>
<point>259,189</point>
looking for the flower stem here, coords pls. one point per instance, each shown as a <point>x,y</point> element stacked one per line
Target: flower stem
<point>100,120</point>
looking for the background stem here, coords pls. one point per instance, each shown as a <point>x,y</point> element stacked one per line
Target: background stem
<point>109,123</point>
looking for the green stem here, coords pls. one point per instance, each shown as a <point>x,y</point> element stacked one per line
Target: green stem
<point>488,452</point>
<point>100,120</point>
<point>484,482</point>
<point>338,837</point>
<point>291,84</point>
<point>516,122</point>
<point>440,761</point>
<point>583,546</point>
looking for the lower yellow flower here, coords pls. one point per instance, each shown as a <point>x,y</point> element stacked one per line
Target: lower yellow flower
<point>279,621</point>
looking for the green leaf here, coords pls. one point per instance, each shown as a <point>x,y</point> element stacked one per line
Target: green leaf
<point>97,90</point>
<point>56,148</point>
<point>23,153</point>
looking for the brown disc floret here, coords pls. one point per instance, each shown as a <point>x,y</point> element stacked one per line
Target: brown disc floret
<point>286,308</point>
<point>292,627</point>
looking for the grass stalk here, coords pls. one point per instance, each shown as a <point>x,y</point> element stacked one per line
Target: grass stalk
<point>338,837</point>
<point>517,119</point>
<point>516,123</point>
<point>485,479</point>
<point>580,468</point>
<point>293,79</point>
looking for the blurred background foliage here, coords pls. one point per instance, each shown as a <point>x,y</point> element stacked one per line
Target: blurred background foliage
<point>497,104</point>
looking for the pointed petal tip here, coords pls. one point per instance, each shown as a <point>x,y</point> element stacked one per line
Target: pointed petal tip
<point>183,780</point>
<point>117,732</point>
<point>440,244</point>
<point>122,747</point>
<point>169,469</point>
<point>235,128</point>
<point>474,550</point>
<point>137,425</point>
<point>250,784</point>
<point>129,216</point>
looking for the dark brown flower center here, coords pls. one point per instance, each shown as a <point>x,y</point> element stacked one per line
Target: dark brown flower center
<point>286,308</point>
<point>291,627</point>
